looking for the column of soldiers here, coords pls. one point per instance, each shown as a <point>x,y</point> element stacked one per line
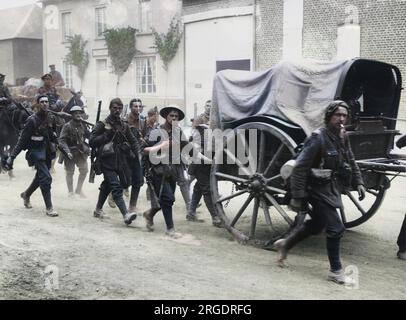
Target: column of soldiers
<point>125,146</point>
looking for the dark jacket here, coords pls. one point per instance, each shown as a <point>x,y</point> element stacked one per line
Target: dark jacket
<point>4,92</point>
<point>137,127</point>
<point>169,157</point>
<point>38,137</point>
<point>323,147</point>
<point>125,145</point>
<point>72,138</point>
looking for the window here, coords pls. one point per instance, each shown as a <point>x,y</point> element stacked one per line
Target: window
<point>101,64</point>
<point>145,75</point>
<point>146,16</point>
<point>66,26</point>
<point>67,72</point>
<point>100,21</point>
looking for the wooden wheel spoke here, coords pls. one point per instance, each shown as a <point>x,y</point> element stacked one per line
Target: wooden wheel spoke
<point>272,178</point>
<point>254,218</point>
<point>343,217</point>
<point>261,156</point>
<point>230,177</point>
<point>274,158</point>
<point>252,162</point>
<point>231,196</point>
<point>273,189</point>
<point>375,193</point>
<point>242,209</point>
<point>266,214</point>
<point>279,209</point>
<point>356,203</point>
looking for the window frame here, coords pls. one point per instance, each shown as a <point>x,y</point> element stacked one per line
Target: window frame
<point>145,19</point>
<point>63,29</point>
<point>104,24</point>
<point>147,87</point>
<point>67,74</point>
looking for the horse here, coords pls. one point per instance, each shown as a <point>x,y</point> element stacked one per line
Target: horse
<point>12,119</point>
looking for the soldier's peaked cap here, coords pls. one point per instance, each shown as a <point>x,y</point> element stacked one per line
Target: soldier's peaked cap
<point>165,111</point>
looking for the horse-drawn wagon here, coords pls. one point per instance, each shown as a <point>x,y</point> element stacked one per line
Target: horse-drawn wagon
<point>269,114</point>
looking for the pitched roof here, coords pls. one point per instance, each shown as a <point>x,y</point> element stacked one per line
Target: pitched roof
<point>21,22</point>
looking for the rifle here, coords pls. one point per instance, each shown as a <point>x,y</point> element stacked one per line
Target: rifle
<point>148,179</point>
<point>93,154</point>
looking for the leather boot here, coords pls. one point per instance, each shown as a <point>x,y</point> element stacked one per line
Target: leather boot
<point>149,218</point>
<point>216,220</point>
<point>134,199</point>
<point>46,194</point>
<point>298,233</point>
<point>196,196</point>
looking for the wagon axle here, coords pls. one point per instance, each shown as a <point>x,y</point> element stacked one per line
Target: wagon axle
<point>257,184</point>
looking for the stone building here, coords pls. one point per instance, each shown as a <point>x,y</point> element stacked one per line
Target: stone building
<point>21,43</point>
<point>321,29</point>
<point>145,79</point>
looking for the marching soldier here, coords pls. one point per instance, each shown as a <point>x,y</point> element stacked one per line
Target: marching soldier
<point>137,125</point>
<point>151,123</point>
<point>39,138</point>
<point>204,117</point>
<point>200,169</point>
<point>117,152</point>
<point>164,173</point>
<point>324,167</point>
<point>76,150</point>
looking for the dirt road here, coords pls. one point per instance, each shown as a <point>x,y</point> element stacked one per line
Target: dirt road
<point>76,256</point>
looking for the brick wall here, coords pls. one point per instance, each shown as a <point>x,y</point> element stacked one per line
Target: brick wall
<point>383,31</point>
<point>269,35</point>
<point>197,6</point>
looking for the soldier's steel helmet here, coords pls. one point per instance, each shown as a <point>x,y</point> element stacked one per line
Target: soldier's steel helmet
<point>165,111</point>
<point>75,108</point>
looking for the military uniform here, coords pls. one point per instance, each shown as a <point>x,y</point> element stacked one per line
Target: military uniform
<point>201,172</point>
<point>57,79</point>
<point>117,153</point>
<point>327,150</point>
<point>38,137</point>
<point>136,125</point>
<point>72,141</point>
<point>51,93</point>
<point>178,168</point>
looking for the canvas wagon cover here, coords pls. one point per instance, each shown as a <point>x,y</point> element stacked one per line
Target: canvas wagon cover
<point>297,92</point>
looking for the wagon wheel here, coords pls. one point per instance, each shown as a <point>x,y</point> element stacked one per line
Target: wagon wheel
<point>357,212</point>
<point>245,176</point>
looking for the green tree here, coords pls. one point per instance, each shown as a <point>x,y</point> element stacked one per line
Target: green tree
<point>78,56</point>
<point>167,45</point>
<point>121,49</point>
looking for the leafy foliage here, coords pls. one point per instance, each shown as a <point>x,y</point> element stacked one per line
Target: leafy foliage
<point>77,55</point>
<point>121,48</point>
<point>168,44</point>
